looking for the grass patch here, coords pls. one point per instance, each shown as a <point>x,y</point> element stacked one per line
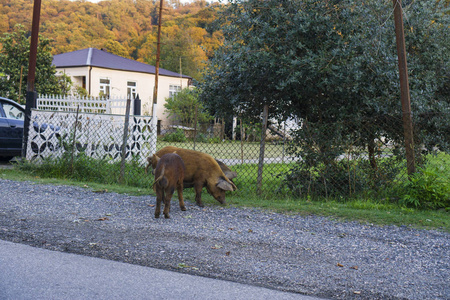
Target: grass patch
<point>98,176</point>
<point>363,211</point>
<point>229,149</point>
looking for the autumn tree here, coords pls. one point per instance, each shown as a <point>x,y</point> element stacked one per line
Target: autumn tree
<point>125,27</point>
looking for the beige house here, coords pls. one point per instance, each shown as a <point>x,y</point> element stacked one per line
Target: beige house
<point>103,73</point>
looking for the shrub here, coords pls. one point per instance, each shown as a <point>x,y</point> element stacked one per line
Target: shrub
<point>341,179</point>
<point>201,138</point>
<point>215,140</point>
<point>177,136</point>
<point>428,188</point>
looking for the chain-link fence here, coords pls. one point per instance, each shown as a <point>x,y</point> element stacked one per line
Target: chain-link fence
<point>301,159</point>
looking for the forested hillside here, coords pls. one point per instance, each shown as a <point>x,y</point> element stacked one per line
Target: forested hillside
<point>125,27</point>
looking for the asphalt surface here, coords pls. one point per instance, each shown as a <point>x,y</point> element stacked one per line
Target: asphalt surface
<point>33,273</point>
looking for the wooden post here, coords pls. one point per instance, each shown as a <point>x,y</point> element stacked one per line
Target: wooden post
<point>74,139</point>
<point>124,141</point>
<point>158,50</point>
<point>262,146</point>
<point>242,142</point>
<point>155,89</point>
<point>404,87</point>
<point>195,124</point>
<point>31,94</point>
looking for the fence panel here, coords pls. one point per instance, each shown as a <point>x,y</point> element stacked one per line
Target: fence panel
<point>96,135</point>
<point>96,105</point>
<point>301,160</point>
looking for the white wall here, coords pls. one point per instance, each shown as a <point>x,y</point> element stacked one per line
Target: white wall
<point>118,85</point>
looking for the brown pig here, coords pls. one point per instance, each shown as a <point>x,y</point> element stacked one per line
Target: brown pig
<point>202,170</point>
<point>227,171</point>
<point>169,174</point>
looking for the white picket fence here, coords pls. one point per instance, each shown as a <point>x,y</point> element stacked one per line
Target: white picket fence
<point>96,105</point>
<point>93,126</point>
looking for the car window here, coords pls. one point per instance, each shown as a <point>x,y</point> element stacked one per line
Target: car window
<point>13,112</point>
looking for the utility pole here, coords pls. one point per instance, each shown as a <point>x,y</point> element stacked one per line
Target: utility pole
<point>181,76</point>
<point>155,89</point>
<point>31,93</point>
<point>404,87</point>
<point>158,50</point>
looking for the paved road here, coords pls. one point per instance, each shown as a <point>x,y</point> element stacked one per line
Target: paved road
<point>33,273</point>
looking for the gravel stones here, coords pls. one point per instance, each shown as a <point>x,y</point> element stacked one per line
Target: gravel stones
<point>305,254</point>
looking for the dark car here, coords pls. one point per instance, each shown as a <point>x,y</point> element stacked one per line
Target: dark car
<point>12,117</point>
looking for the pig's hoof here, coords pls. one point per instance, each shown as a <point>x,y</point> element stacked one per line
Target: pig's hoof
<point>167,216</point>
<point>156,216</point>
<point>183,208</point>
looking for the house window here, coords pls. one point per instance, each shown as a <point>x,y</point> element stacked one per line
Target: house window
<point>105,87</point>
<point>174,89</point>
<point>131,90</point>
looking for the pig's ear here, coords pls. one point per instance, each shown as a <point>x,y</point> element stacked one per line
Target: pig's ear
<point>155,158</point>
<point>230,174</point>
<point>225,185</point>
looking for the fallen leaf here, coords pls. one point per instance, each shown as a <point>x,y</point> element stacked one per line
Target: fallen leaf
<point>103,219</point>
<point>217,247</point>
<point>250,230</point>
<point>228,253</point>
<point>340,265</point>
<point>354,267</point>
<point>151,205</point>
<point>357,292</point>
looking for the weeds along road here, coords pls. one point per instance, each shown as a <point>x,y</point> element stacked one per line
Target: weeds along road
<point>304,254</point>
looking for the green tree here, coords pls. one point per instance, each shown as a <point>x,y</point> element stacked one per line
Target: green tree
<point>326,62</point>
<point>14,57</point>
<point>333,64</point>
<point>185,107</point>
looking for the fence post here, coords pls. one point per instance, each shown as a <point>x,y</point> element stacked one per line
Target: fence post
<point>74,140</point>
<point>242,142</point>
<point>108,105</point>
<point>137,106</point>
<point>262,148</point>
<point>31,103</point>
<point>195,125</point>
<point>124,141</point>
<point>154,128</point>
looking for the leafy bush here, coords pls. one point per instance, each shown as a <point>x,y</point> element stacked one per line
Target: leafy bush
<point>201,138</point>
<point>215,140</point>
<point>429,187</point>
<point>341,178</point>
<point>177,136</point>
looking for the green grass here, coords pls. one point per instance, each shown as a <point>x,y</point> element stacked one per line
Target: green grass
<point>229,149</point>
<point>364,211</point>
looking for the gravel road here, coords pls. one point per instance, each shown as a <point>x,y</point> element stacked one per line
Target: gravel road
<point>309,255</point>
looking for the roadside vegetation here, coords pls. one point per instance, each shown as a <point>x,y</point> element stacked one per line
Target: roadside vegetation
<point>309,61</point>
<point>408,204</point>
